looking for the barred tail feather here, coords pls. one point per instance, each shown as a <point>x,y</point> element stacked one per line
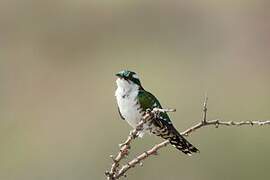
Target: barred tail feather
<point>177,140</point>
<point>182,144</point>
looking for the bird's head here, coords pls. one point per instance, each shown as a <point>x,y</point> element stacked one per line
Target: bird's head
<point>129,76</point>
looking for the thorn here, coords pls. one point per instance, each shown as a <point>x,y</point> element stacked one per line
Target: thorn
<point>170,110</point>
<point>130,165</point>
<point>141,164</point>
<point>146,153</point>
<point>121,145</point>
<point>205,102</point>
<point>124,151</point>
<point>205,110</point>
<point>111,156</point>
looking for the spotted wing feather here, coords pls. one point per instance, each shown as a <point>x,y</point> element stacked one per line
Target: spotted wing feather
<point>164,127</point>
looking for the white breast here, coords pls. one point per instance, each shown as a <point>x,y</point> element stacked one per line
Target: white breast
<point>126,96</point>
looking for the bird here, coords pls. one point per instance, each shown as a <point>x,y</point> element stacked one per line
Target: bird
<point>133,101</point>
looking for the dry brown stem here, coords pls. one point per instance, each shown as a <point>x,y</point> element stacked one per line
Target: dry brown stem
<point>116,171</point>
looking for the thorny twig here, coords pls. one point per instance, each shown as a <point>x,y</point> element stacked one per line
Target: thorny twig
<point>125,147</point>
<point>116,172</point>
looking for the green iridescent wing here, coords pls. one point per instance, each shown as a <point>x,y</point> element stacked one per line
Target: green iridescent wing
<point>166,130</point>
<point>149,101</point>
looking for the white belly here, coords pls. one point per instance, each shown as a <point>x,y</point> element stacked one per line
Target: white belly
<point>129,108</point>
<point>126,96</point>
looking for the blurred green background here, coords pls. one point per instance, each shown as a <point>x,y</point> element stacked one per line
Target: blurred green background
<point>59,118</point>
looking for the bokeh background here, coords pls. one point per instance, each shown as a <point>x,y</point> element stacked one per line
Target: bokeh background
<point>58,115</point>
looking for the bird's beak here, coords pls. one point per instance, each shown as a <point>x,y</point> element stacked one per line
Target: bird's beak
<point>118,75</point>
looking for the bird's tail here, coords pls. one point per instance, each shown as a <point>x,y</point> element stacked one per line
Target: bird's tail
<point>178,141</point>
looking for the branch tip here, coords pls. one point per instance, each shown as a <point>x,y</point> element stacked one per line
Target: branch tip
<point>118,171</point>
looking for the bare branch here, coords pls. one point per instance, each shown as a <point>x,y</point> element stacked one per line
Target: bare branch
<point>125,147</point>
<point>205,109</point>
<point>218,123</point>
<point>116,172</point>
<point>140,158</point>
<point>154,149</point>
